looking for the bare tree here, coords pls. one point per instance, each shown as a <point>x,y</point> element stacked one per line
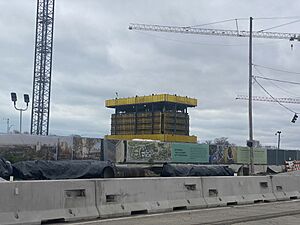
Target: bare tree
<point>223,141</point>
<point>208,142</point>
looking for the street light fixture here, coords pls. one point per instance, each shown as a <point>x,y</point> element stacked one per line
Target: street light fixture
<point>278,133</point>
<point>14,100</point>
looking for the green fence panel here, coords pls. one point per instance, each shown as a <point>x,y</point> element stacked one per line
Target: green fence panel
<point>243,155</point>
<point>190,153</point>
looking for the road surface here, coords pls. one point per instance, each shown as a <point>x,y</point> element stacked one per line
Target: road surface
<point>287,213</point>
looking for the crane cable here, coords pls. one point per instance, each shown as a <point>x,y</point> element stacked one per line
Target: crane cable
<point>281,25</point>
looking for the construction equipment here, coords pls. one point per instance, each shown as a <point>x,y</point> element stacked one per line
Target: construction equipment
<point>269,99</point>
<point>42,67</point>
<point>215,32</point>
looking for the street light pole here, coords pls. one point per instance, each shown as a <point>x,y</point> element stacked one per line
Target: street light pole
<point>278,145</point>
<point>26,100</point>
<point>8,126</point>
<point>278,133</point>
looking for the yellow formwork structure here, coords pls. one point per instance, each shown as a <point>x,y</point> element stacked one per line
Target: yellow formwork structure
<point>112,103</point>
<point>159,137</point>
<point>160,117</point>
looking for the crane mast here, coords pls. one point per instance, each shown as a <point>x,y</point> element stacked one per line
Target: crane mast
<point>42,67</point>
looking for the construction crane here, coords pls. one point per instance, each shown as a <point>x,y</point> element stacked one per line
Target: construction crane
<point>230,33</point>
<point>269,99</point>
<point>42,67</point>
<point>215,32</point>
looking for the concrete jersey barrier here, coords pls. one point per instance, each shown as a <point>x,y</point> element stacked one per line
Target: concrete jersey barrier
<point>225,191</point>
<point>34,202</point>
<point>123,197</point>
<point>286,187</point>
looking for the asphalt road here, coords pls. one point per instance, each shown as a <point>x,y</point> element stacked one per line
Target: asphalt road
<point>287,213</point>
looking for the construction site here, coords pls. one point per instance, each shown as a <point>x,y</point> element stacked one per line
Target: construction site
<point>143,155</point>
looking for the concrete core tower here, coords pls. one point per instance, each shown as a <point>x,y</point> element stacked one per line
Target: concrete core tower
<point>156,117</point>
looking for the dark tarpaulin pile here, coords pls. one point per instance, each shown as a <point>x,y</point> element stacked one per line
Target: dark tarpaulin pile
<point>195,170</point>
<point>133,171</point>
<point>64,169</point>
<point>6,169</point>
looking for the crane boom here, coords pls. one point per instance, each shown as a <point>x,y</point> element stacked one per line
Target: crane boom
<point>216,32</point>
<point>269,99</point>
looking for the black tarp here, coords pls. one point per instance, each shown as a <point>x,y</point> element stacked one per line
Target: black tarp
<point>134,171</point>
<point>63,169</point>
<point>6,169</point>
<point>195,170</point>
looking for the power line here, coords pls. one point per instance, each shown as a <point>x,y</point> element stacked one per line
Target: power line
<point>270,80</point>
<point>282,81</point>
<point>287,108</point>
<point>284,90</point>
<point>279,70</point>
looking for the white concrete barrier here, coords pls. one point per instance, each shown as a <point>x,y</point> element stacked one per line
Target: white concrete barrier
<point>32,202</point>
<point>123,197</point>
<point>286,187</point>
<point>222,191</point>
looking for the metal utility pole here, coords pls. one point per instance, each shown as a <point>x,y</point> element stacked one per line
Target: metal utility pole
<point>250,101</point>
<point>42,67</point>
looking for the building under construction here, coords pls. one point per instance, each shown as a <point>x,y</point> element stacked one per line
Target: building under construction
<point>156,117</point>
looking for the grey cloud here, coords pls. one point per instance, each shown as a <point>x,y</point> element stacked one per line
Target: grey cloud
<point>95,55</point>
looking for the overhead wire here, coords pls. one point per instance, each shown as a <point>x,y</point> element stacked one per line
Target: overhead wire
<point>279,70</point>
<point>291,94</point>
<point>281,81</point>
<point>277,86</point>
<point>276,100</point>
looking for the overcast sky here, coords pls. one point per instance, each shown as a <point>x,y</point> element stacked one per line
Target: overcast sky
<point>95,55</point>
